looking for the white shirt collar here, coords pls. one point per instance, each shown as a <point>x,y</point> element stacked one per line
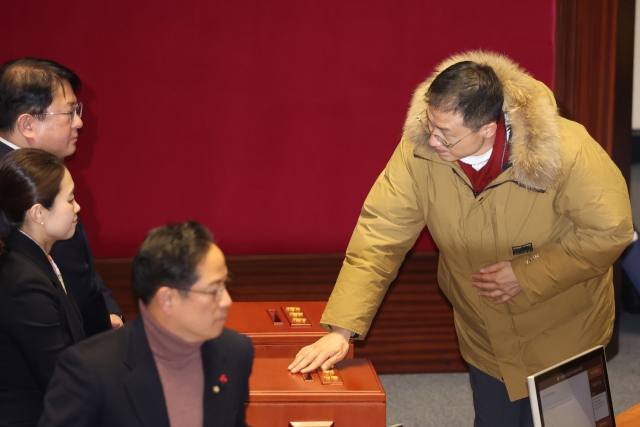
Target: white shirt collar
<point>15,147</point>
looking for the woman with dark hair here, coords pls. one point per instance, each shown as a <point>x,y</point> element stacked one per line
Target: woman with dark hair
<point>37,317</point>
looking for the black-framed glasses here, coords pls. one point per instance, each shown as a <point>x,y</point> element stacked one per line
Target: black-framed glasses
<point>76,111</point>
<point>217,292</point>
<point>440,139</point>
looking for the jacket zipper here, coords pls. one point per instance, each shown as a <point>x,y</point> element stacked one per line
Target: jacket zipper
<point>476,194</point>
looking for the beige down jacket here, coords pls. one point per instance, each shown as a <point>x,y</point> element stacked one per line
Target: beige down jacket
<point>561,200</point>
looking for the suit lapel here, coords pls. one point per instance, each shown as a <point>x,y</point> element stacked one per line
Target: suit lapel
<point>213,365</point>
<point>143,383</point>
<point>72,311</point>
<point>25,246</point>
<point>4,150</point>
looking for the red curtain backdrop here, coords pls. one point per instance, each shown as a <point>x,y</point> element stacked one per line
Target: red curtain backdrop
<point>268,121</point>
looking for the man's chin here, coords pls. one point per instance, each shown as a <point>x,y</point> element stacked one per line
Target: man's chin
<point>216,331</point>
<point>446,156</point>
<point>70,149</point>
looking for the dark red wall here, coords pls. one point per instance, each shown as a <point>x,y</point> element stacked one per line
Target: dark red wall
<point>266,120</point>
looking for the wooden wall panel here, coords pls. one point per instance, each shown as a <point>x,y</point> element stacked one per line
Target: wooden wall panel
<point>116,274</point>
<point>585,65</point>
<point>594,79</point>
<point>413,331</point>
<point>594,70</point>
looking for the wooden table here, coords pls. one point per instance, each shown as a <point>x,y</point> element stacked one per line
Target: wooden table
<point>629,418</point>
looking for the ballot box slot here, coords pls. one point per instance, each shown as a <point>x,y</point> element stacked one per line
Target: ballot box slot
<point>273,314</point>
<point>296,316</point>
<point>327,376</point>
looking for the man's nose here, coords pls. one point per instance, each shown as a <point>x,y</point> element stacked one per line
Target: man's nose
<point>225,300</point>
<point>78,123</point>
<point>433,141</point>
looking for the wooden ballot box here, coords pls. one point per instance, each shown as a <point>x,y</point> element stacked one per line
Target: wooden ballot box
<point>348,395</point>
<point>279,329</point>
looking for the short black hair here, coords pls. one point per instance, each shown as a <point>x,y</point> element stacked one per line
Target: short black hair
<point>27,86</point>
<point>169,257</point>
<point>469,89</point>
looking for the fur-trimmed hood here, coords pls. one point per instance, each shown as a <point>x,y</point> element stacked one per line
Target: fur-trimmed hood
<point>535,151</point>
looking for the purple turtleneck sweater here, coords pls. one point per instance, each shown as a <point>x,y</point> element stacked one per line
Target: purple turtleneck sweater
<point>179,364</point>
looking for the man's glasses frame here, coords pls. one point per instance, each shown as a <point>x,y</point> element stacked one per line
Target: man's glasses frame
<point>76,111</point>
<point>216,293</point>
<point>440,139</point>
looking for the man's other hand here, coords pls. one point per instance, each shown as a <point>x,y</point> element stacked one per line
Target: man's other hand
<point>325,352</point>
<point>497,281</point>
<point>116,321</point>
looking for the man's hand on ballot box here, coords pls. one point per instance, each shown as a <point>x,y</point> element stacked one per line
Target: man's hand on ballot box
<point>327,351</point>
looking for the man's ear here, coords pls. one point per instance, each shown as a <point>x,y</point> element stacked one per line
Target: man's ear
<point>164,299</point>
<point>489,130</point>
<point>26,125</point>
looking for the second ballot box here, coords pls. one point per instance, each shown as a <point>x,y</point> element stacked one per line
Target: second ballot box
<point>350,394</point>
<point>279,329</point>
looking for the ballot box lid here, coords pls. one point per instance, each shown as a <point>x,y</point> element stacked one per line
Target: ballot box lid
<point>270,382</point>
<point>254,320</point>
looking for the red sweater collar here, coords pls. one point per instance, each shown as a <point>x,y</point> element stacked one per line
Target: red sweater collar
<point>499,157</point>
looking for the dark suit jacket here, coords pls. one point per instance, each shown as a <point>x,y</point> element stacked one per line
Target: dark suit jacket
<point>4,149</point>
<point>37,321</point>
<point>112,380</point>
<point>75,261</point>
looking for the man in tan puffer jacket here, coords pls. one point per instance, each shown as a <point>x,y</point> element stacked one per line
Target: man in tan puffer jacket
<point>528,213</point>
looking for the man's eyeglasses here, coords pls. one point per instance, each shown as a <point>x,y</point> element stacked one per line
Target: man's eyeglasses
<point>216,292</point>
<point>76,111</point>
<point>440,139</point>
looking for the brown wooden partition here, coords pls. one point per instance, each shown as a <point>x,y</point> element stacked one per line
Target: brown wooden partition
<point>594,80</point>
<point>413,331</point>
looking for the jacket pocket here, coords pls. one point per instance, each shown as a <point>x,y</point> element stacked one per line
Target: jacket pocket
<point>532,320</point>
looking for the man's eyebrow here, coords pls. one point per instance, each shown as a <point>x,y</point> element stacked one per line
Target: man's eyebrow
<point>219,281</point>
<point>434,125</point>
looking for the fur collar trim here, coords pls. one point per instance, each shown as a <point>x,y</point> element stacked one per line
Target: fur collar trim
<point>536,154</point>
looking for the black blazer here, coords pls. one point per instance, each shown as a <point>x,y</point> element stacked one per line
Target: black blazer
<point>75,260</point>
<point>4,149</point>
<point>112,380</point>
<point>37,321</point>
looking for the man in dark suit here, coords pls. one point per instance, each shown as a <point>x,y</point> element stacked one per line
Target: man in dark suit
<point>174,365</point>
<point>38,109</point>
